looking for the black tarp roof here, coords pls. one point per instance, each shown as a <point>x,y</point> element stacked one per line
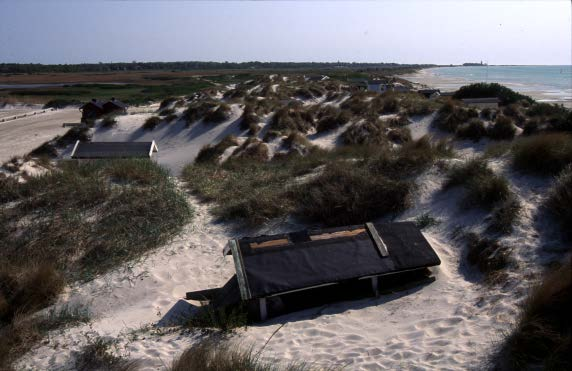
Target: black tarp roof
<point>270,265</point>
<point>95,150</point>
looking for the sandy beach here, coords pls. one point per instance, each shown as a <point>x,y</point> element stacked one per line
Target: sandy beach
<point>429,78</point>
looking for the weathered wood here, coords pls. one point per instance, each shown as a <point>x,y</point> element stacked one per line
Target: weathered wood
<point>381,247</point>
<point>280,242</point>
<point>239,267</point>
<point>263,309</point>
<point>327,236</point>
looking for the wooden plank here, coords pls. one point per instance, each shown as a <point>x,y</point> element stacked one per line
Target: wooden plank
<point>377,240</point>
<point>327,236</point>
<point>239,267</point>
<point>280,242</point>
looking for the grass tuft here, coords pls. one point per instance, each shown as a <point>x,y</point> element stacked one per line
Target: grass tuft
<point>544,154</point>
<point>152,122</point>
<point>560,200</point>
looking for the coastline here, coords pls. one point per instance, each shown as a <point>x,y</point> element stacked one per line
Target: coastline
<point>428,78</point>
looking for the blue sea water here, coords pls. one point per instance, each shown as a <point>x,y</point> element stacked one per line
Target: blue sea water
<point>550,83</point>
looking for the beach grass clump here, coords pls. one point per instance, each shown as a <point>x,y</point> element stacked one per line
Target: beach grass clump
<point>215,355</point>
<point>502,129</point>
<point>541,338</point>
<point>414,104</point>
<point>152,122</point>
<point>357,104</point>
<point>211,153</point>
<point>484,188</point>
<point>249,117</point>
<point>252,149</point>
<point>167,112</point>
<point>505,215</point>
<point>347,193</point>
<point>559,202</point>
<point>399,135</point>
<point>474,130</point>
<point>488,255</point>
<point>488,90</point>
<point>543,154</point>
<point>367,132</point>
<point>80,220</point>
<point>165,103</point>
<point>197,110</point>
<point>333,121</point>
<point>101,354</point>
<point>108,121</point>
<point>294,118</point>
<point>540,109</point>
<point>426,220</point>
<point>450,116</point>
<point>220,114</point>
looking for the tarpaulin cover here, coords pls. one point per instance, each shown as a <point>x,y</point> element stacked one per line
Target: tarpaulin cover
<point>301,262</point>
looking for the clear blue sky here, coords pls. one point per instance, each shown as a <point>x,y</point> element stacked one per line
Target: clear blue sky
<point>404,31</point>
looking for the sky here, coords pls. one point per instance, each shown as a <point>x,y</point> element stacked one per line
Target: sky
<point>401,31</point>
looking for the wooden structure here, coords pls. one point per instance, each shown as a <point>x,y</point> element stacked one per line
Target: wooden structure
<point>94,109</point>
<point>269,269</point>
<point>482,102</point>
<point>108,150</point>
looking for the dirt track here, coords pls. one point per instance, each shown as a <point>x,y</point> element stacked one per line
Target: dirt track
<point>18,137</point>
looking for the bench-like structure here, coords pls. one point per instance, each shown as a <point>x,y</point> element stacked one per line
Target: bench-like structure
<point>273,266</point>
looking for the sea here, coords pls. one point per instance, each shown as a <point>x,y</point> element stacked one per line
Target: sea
<point>544,83</point>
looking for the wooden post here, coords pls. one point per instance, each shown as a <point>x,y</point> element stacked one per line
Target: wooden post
<point>263,311</point>
<point>374,286</point>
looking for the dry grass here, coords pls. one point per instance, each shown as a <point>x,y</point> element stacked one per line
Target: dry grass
<point>542,336</point>
<point>505,215</point>
<point>290,118</point>
<point>502,129</point>
<point>544,154</point>
<point>216,355</point>
<point>473,130</point>
<point>152,122</point>
<point>211,153</point>
<point>484,188</point>
<point>368,132</point>
<point>488,255</point>
<point>99,354</point>
<point>560,200</point>
<point>219,114</point>
<point>80,220</point>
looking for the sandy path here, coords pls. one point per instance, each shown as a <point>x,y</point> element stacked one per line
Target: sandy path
<point>18,137</point>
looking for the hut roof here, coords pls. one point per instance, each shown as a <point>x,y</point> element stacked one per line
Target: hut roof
<point>272,265</point>
<point>95,150</point>
<point>94,103</point>
<point>481,100</point>
<point>115,103</point>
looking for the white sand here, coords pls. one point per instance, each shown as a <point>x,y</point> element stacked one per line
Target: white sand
<point>20,136</point>
<point>448,324</point>
<point>178,144</point>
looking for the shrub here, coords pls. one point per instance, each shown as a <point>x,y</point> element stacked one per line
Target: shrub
<point>543,153</point>
<point>399,135</point>
<point>61,103</point>
<point>99,355</point>
<point>425,220</point>
<point>212,355</point>
<point>292,119</point>
<point>171,118</point>
<point>546,109</point>
<point>369,132</point>
<point>254,150</point>
<point>167,112</point>
<point>108,121</point>
<point>73,135</point>
<point>560,200</point>
<point>487,113</point>
<point>488,255</point>
<point>487,90</point>
<point>167,102</point>
<point>484,187</point>
<point>502,129</point>
<point>151,123</point>
<point>450,117</point>
<point>211,153</point>
<point>474,130</point>
<point>505,215</point>
<point>333,121</point>
<point>219,114</point>
<point>541,337</point>
<point>249,118</point>
<point>198,110</point>
<point>356,104</point>
<point>348,194</point>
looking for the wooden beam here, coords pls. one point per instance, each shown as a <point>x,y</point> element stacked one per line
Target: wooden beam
<point>280,242</point>
<point>327,236</point>
<point>377,240</point>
